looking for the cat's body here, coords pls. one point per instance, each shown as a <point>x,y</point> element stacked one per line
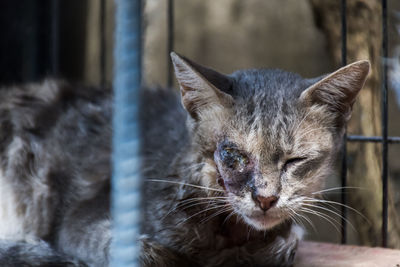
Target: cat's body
<point>55,154</point>
<point>218,187</point>
<point>209,240</point>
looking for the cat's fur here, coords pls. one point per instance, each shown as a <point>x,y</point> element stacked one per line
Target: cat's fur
<point>209,171</point>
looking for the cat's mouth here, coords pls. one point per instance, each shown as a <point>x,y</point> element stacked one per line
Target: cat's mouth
<point>263,221</point>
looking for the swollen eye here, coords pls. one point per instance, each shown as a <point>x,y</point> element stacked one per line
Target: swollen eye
<point>226,152</point>
<point>242,159</point>
<point>234,159</point>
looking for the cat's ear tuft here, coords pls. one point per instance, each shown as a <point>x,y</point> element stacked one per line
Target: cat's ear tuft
<point>201,88</point>
<point>339,89</point>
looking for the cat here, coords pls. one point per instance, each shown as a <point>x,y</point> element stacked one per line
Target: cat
<point>228,166</point>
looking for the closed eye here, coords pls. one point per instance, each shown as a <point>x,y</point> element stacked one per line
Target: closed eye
<point>291,162</point>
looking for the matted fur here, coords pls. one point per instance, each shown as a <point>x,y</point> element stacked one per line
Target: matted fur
<point>55,166</point>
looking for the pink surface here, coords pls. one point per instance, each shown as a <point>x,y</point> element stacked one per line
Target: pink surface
<point>312,254</point>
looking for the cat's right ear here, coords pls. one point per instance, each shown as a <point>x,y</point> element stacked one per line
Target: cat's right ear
<point>202,89</point>
<point>338,91</point>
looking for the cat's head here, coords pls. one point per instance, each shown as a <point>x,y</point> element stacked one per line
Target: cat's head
<point>267,137</point>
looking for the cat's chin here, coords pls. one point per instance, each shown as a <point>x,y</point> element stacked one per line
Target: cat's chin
<point>262,222</point>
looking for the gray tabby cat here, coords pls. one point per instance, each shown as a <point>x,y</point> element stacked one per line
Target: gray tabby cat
<point>225,177</point>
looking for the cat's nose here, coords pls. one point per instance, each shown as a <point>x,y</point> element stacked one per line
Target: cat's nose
<point>266,203</point>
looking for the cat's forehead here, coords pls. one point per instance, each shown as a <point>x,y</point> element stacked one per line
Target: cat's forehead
<point>267,97</point>
<point>262,132</point>
<point>271,84</point>
<point>267,110</point>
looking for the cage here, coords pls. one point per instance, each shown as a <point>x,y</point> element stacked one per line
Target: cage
<point>49,51</point>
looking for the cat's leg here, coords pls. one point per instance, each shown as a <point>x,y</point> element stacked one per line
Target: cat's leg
<point>154,255</point>
<point>88,242</point>
<point>85,231</point>
<point>279,253</point>
<point>17,254</point>
<point>91,243</point>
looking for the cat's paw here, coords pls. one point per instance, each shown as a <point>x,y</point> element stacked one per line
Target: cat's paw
<point>282,251</point>
<point>287,247</point>
<point>278,253</point>
<point>154,254</point>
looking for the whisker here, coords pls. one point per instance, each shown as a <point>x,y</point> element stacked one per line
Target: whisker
<point>192,166</point>
<point>248,233</point>
<point>296,219</point>
<point>338,188</point>
<point>183,205</point>
<point>301,216</point>
<point>185,184</point>
<point>201,201</point>
<point>339,204</point>
<point>151,167</point>
<point>203,198</point>
<point>202,211</point>
<point>321,215</point>
<point>333,212</point>
<point>216,214</point>
<point>308,221</point>
<point>189,205</point>
<point>228,217</point>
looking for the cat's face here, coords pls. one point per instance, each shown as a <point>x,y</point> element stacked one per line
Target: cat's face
<point>267,168</point>
<point>268,138</point>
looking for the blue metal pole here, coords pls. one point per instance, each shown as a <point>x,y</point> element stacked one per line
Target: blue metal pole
<point>126,180</point>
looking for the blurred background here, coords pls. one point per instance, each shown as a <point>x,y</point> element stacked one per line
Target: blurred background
<point>73,40</point>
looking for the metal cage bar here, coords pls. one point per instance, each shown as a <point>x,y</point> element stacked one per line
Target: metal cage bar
<point>373,139</point>
<point>170,41</point>
<point>103,44</point>
<point>344,146</point>
<point>55,23</point>
<point>384,126</point>
<point>384,139</point>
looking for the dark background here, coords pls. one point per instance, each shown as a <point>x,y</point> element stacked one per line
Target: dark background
<point>37,40</point>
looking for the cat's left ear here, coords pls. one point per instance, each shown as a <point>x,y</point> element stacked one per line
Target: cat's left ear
<point>202,89</point>
<point>338,90</point>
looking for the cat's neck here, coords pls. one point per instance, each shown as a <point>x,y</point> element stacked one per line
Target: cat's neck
<point>235,232</point>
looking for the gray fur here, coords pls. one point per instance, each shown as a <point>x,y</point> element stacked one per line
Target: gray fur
<point>55,171</point>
